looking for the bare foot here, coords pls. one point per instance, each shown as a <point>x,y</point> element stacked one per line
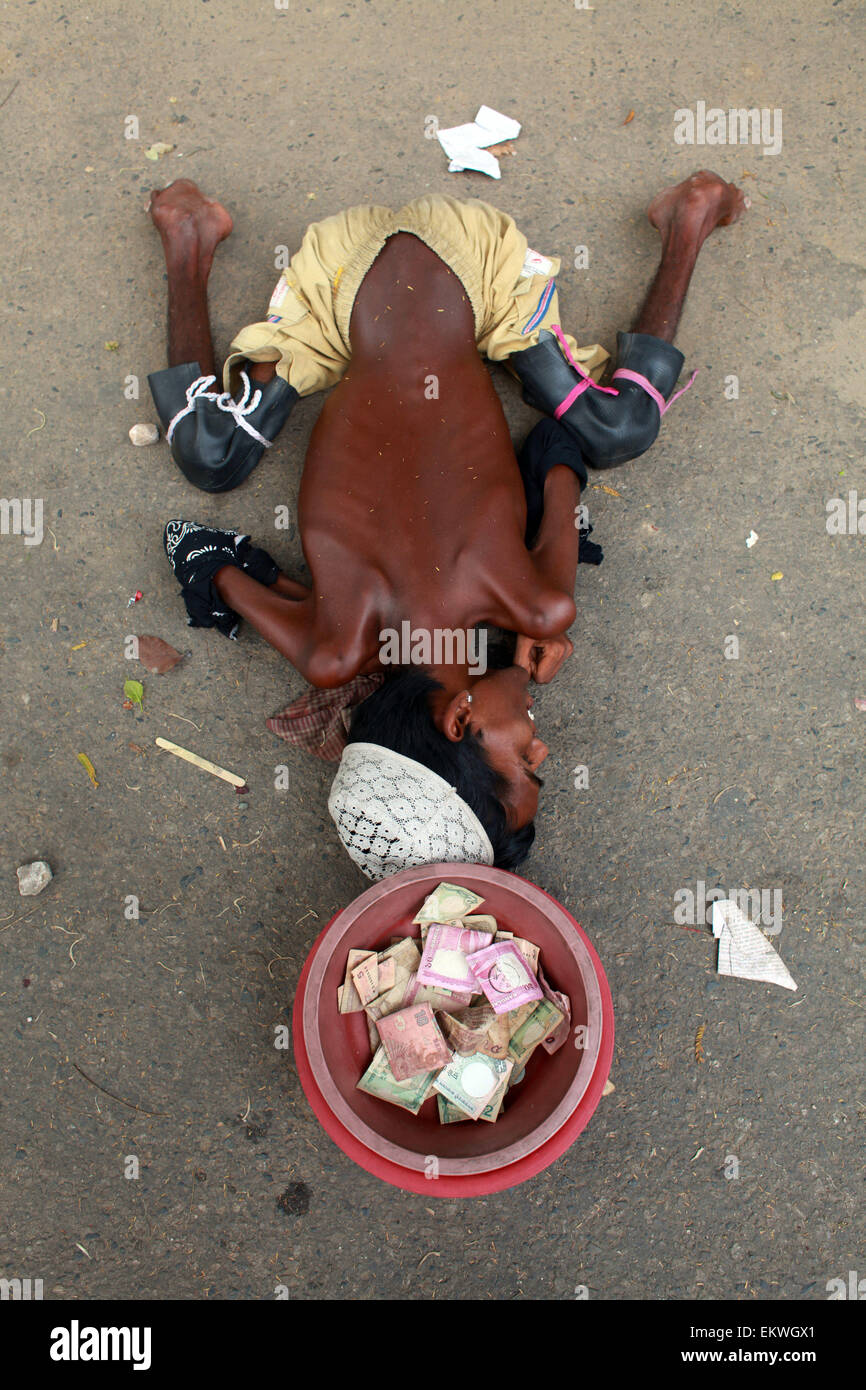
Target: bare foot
<point>694,207</point>
<point>184,217</point>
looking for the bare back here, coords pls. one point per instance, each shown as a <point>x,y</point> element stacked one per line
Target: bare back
<point>411,502</point>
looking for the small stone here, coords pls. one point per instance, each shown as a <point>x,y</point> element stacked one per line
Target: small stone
<point>32,878</point>
<point>144,434</point>
<point>242,805</point>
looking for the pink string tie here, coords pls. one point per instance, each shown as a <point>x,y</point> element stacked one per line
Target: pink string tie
<point>623,372</point>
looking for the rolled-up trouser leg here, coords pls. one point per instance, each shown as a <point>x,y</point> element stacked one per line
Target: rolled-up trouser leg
<point>217,441</point>
<point>610,429</point>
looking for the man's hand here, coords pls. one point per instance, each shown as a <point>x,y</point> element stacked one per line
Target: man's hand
<point>542,656</point>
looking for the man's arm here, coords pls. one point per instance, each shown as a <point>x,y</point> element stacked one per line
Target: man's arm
<point>555,553</point>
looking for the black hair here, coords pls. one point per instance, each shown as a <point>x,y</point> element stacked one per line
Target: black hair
<point>398,716</point>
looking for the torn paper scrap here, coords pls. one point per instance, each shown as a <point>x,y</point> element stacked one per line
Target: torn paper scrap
<point>466,145</point>
<point>744,950</point>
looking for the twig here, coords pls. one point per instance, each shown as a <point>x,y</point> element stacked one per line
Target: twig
<point>114,1095</point>
<point>185,721</point>
<point>9,93</point>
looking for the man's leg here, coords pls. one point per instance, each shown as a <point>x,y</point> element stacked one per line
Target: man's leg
<point>215,441</point>
<point>612,428</point>
<point>191,228</point>
<point>684,215</point>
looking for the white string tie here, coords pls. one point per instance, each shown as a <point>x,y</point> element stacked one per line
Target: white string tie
<point>198,391</point>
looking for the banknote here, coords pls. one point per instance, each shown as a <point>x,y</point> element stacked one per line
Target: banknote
<point>516,1076</point>
<point>378,1080</point>
<point>477,1029</point>
<point>430,1091</point>
<point>515,1018</point>
<point>480,922</point>
<point>447,999</point>
<point>387,972</point>
<point>449,1114</point>
<point>413,1041</point>
<point>559,1036</point>
<point>504,976</point>
<point>405,955</point>
<point>444,961</point>
<point>348,999</point>
<point>528,950</point>
<point>387,1003</point>
<point>544,1018</point>
<point>406,958</point>
<point>365,978</point>
<point>494,1105</point>
<point>448,902</point>
<point>373,1034</point>
<point>470,1082</point>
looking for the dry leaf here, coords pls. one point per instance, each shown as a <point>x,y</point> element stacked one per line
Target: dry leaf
<point>611,491</point>
<point>88,768</point>
<point>505,147</point>
<point>157,656</point>
<point>629,117</point>
<point>699,1043</point>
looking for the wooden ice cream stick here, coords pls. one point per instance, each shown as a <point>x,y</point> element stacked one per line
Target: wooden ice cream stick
<point>203,763</point>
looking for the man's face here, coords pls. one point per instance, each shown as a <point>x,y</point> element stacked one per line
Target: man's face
<point>501,716</point>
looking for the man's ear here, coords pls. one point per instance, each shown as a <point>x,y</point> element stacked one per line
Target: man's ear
<point>456,716</point>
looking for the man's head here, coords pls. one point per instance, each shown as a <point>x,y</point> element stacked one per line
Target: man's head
<point>494,711</point>
<point>480,740</point>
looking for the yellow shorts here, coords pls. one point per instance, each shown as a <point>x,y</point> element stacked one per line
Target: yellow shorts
<point>512,289</point>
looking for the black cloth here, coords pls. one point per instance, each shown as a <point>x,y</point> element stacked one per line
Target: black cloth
<point>547,445</point>
<point>196,553</point>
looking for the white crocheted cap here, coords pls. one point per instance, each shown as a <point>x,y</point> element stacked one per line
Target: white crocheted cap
<point>393,813</point>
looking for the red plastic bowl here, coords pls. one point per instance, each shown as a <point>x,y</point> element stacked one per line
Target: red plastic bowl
<point>545,1112</point>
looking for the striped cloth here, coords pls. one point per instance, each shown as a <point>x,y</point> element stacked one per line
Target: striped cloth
<point>319,720</point>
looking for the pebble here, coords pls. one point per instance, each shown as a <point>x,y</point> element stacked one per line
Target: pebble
<point>144,434</point>
<point>32,878</point>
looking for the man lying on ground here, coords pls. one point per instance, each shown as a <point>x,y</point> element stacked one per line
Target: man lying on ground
<point>413,505</point>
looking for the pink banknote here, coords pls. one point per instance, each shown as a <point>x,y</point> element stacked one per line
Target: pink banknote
<point>504,976</point>
<point>413,1041</point>
<point>444,960</point>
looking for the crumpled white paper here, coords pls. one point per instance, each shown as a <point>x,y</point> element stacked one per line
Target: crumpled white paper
<point>744,951</point>
<point>466,145</point>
